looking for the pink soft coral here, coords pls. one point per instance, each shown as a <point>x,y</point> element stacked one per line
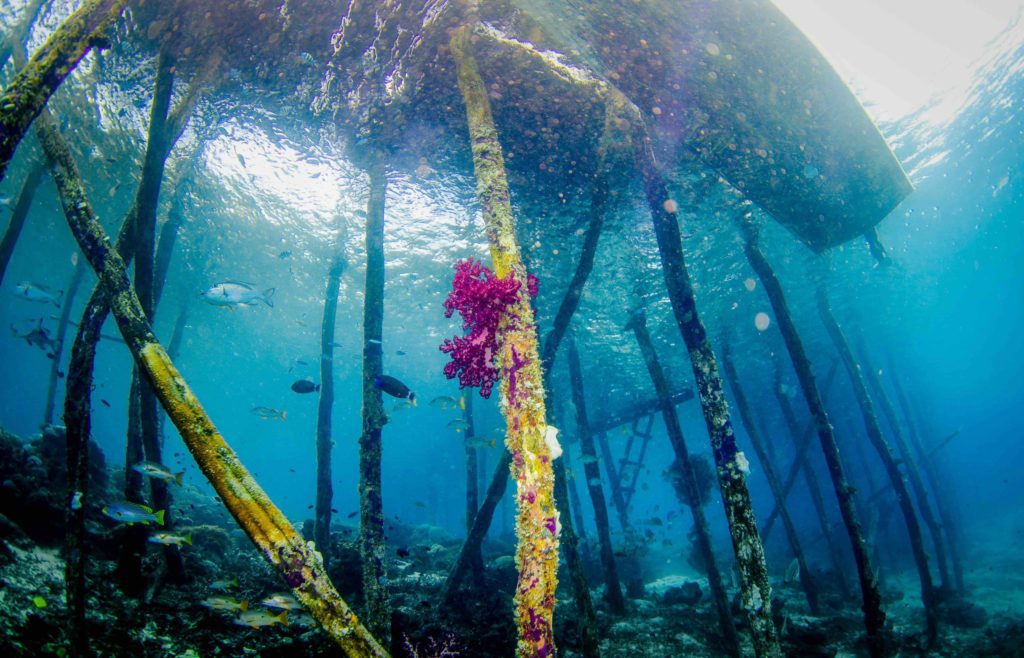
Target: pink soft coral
<point>481,298</point>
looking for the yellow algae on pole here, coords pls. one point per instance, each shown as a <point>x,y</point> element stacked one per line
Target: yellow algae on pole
<point>528,438</point>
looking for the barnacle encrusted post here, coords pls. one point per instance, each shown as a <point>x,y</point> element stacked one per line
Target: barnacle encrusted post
<point>874,617</point>
<point>747,546</point>
<point>26,95</point>
<point>690,488</point>
<point>528,438</point>
<point>297,562</point>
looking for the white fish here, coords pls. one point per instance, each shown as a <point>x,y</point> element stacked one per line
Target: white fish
<point>76,501</point>
<point>236,293</point>
<point>36,293</point>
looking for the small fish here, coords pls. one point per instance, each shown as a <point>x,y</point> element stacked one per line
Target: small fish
<point>284,254</point>
<point>420,504</point>
<point>241,160</point>
<point>402,405</point>
<point>402,552</point>
<point>458,424</point>
<point>281,601</point>
<point>38,601</point>
<point>792,572</point>
<point>169,539</point>
<point>302,620</point>
<point>394,388</point>
<point>269,413</point>
<point>258,618</point>
<point>445,402</point>
<point>224,585</point>
<point>34,292</point>
<point>373,341</point>
<point>236,293</point>
<point>307,59</point>
<point>589,459</point>
<point>656,521</point>
<point>224,603</point>
<point>306,385</point>
<point>351,515</point>
<point>76,501</point>
<point>400,352</point>
<point>129,513</point>
<point>158,471</point>
<point>105,403</point>
<point>5,201</point>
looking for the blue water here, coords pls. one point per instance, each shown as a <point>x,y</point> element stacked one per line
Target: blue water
<point>267,196</point>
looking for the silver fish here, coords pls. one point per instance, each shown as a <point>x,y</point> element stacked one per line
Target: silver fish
<point>236,293</point>
<point>36,293</point>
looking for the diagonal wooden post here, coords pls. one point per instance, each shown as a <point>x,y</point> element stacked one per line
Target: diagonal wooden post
<point>278,541</point>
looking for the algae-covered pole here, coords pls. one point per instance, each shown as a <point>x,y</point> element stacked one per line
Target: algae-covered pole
<point>874,617</point>
<point>729,461</point>
<point>530,441</point>
<point>28,92</point>
<point>67,301</point>
<point>270,531</point>
<point>371,507</point>
<point>613,591</point>
<point>938,485</point>
<point>20,213</point>
<point>924,505</point>
<point>702,534</point>
<point>747,417</point>
<point>881,446</point>
<point>802,464</point>
<point>325,406</point>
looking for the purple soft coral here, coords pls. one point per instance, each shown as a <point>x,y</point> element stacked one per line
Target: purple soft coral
<point>481,298</point>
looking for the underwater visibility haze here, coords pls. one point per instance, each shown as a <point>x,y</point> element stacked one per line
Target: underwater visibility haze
<point>511,328</point>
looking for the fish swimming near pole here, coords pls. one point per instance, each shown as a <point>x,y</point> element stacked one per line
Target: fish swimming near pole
<point>281,601</point>
<point>269,413</point>
<point>258,618</point>
<point>169,539</point>
<point>34,292</point>
<point>39,336</point>
<point>129,513</point>
<point>158,471</point>
<point>394,388</point>
<point>224,603</point>
<point>306,385</point>
<point>236,293</point>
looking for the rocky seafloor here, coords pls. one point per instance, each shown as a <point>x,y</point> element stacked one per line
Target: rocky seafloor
<point>667,616</point>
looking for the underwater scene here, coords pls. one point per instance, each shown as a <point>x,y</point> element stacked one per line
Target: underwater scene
<point>533,328</point>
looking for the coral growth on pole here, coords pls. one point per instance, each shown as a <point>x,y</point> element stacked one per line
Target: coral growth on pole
<point>482,299</point>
